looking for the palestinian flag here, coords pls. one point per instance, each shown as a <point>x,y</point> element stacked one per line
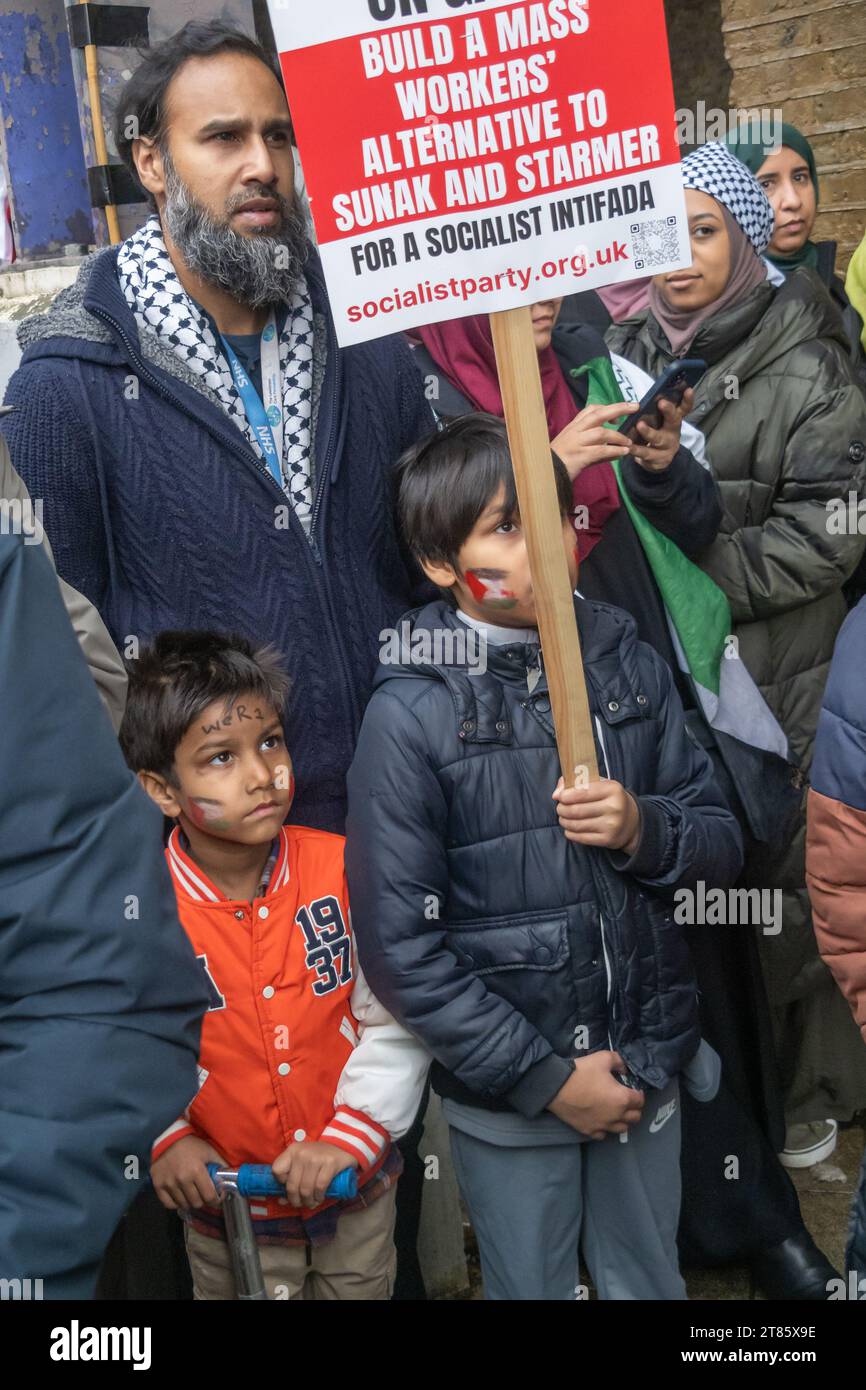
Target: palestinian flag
<point>698,612</point>
<point>490,588</point>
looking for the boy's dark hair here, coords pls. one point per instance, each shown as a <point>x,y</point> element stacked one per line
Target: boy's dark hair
<point>446,482</point>
<point>141,108</point>
<point>174,680</point>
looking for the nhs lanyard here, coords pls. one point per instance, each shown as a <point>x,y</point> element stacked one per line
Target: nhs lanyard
<point>265,419</point>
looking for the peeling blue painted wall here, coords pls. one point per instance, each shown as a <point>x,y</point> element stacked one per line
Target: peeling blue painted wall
<point>41,133</point>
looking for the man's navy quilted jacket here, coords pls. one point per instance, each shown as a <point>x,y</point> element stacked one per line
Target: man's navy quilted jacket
<point>160,512</point>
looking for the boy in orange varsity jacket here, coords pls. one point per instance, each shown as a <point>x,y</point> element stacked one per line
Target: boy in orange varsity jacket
<point>300,1066</point>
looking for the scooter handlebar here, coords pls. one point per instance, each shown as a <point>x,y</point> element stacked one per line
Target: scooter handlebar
<point>257,1180</point>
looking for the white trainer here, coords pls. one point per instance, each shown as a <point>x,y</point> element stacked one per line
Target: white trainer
<point>808,1144</point>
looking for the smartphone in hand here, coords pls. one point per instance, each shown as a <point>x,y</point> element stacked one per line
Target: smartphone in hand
<point>671,386</point>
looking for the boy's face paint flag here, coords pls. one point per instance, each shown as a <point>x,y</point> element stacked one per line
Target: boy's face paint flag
<point>464,159</point>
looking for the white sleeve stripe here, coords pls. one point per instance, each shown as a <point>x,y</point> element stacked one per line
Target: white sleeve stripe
<point>172,1129</point>
<point>348,1031</point>
<point>343,1117</point>
<point>363,1149</point>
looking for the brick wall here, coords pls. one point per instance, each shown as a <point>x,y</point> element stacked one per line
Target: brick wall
<point>698,64</point>
<point>810,61</point>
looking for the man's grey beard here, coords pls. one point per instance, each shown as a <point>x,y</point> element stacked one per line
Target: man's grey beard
<point>257,270</point>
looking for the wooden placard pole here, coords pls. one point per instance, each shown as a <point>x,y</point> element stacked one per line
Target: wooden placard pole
<point>529,439</point>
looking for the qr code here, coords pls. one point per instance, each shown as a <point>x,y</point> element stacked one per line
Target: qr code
<point>655,242</point>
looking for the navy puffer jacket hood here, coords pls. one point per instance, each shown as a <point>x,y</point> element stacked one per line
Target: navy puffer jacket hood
<point>503,946</point>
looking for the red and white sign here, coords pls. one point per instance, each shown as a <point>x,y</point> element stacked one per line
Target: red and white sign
<point>464,156</point>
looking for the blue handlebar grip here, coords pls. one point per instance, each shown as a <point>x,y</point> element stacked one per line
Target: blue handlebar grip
<point>344,1186</point>
<point>257,1180</point>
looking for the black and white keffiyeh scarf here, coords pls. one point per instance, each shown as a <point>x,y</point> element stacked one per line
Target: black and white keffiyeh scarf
<point>715,170</point>
<point>162,306</point>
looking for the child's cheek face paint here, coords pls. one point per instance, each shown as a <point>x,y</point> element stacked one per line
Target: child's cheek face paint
<point>490,587</point>
<point>207,814</point>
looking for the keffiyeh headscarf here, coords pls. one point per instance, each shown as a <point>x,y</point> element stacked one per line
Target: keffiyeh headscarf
<point>749,221</point>
<point>713,169</point>
<point>161,305</point>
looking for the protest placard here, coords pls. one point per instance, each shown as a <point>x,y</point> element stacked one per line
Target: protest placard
<point>520,384</point>
<point>476,156</point>
<point>466,156</point>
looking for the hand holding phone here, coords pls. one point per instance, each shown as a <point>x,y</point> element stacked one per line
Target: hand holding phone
<point>654,430</point>
<point>591,438</point>
<point>671,386</point>
<point>593,1100</point>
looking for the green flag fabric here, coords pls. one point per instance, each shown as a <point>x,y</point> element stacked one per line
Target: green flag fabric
<point>698,612</point>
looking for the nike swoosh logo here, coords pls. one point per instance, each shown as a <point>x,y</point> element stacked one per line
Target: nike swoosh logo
<point>661,1119</point>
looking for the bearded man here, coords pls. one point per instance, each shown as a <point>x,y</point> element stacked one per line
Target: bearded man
<point>207,456</point>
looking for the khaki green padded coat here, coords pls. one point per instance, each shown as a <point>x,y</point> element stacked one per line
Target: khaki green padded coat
<point>785,423</point>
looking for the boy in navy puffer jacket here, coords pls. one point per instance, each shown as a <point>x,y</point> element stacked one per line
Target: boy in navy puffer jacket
<point>524,930</point>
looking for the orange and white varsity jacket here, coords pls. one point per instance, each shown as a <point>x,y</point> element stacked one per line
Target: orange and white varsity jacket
<point>294,1046</point>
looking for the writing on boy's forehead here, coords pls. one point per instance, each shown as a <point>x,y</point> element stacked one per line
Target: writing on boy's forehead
<point>490,587</point>
<point>237,714</point>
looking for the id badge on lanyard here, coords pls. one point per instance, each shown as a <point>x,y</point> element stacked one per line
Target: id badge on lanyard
<point>266,418</point>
